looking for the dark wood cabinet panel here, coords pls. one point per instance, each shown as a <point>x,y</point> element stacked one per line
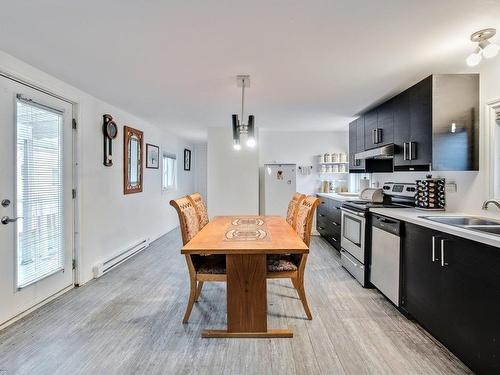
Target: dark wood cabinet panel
<point>401,129</point>
<point>328,220</point>
<point>422,278</point>
<point>360,134</point>
<point>370,128</point>
<point>457,296</point>
<point>421,122</point>
<point>385,123</point>
<point>354,143</point>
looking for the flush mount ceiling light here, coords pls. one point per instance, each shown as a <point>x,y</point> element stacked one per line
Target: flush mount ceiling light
<point>484,49</point>
<point>241,128</point>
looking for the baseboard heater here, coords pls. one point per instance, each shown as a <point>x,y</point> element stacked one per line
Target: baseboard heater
<point>101,268</point>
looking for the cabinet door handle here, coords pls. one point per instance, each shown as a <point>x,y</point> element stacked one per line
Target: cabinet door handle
<point>333,238</point>
<point>443,263</point>
<point>412,151</point>
<point>374,140</point>
<point>334,223</point>
<point>379,135</point>
<point>433,248</point>
<point>321,228</point>
<point>405,157</point>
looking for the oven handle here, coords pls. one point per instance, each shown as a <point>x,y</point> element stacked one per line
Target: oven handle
<point>353,212</point>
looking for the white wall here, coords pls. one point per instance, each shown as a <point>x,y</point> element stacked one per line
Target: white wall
<point>301,148</point>
<point>233,176</point>
<point>200,168</point>
<point>108,220</point>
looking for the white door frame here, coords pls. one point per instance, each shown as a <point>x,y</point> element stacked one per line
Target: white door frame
<point>26,81</point>
<point>492,110</point>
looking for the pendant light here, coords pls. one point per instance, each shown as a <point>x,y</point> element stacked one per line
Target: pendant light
<point>240,129</point>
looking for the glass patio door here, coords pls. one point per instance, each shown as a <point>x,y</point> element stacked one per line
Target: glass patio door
<point>36,228</point>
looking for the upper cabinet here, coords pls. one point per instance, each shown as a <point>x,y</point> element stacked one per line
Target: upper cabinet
<point>433,126</point>
<point>413,127</point>
<point>379,126</point>
<point>356,144</point>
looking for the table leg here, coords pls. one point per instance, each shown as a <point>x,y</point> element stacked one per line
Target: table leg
<point>246,299</point>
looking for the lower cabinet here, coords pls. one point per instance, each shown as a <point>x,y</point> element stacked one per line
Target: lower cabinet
<point>451,286</point>
<point>328,220</point>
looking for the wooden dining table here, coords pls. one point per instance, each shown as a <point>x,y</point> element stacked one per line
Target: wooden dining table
<point>246,241</point>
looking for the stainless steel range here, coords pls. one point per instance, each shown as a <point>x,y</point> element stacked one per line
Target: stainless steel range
<point>356,229</point>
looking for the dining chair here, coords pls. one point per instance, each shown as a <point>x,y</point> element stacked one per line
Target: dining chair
<point>200,207</point>
<point>293,209</point>
<point>201,268</point>
<point>292,266</point>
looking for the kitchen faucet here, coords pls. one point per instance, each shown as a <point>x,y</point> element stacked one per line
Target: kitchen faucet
<point>496,202</point>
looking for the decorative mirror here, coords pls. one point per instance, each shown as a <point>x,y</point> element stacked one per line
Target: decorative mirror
<point>132,160</point>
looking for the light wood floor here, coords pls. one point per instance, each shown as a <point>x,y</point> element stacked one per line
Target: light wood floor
<point>129,322</point>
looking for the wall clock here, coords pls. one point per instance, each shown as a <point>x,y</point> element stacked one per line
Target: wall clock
<point>110,131</point>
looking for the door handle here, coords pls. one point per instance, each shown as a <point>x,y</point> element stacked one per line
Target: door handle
<point>443,263</point>
<point>378,134</point>
<point>6,220</point>
<point>405,157</point>
<point>412,151</point>
<point>433,248</point>
<point>374,139</point>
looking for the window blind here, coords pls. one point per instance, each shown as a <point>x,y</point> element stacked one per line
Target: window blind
<point>39,181</point>
<point>169,171</point>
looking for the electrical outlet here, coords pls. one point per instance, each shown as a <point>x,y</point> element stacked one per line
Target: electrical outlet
<point>451,187</point>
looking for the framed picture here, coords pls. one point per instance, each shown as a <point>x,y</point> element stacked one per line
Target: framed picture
<point>187,159</point>
<point>152,156</point>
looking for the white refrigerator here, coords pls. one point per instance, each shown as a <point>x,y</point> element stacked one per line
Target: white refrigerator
<point>278,183</point>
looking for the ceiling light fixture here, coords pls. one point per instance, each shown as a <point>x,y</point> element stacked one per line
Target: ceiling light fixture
<point>484,49</point>
<point>241,128</point>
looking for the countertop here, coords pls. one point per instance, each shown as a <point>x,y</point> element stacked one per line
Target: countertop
<point>413,215</point>
<point>338,197</point>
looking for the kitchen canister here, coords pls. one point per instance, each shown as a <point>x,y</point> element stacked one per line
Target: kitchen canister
<point>335,157</point>
<point>327,158</point>
<point>431,194</point>
<point>329,168</point>
<point>343,157</point>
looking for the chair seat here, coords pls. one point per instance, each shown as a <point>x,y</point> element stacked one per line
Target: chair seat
<point>281,263</point>
<point>211,264</point>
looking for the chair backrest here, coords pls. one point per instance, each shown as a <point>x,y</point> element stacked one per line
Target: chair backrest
<point>188,218</point>
<point>293,209</point>
<point>305,218</point>
<point>200,207</point>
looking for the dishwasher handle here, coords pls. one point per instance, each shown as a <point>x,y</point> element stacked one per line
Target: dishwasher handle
<point>386,224</point>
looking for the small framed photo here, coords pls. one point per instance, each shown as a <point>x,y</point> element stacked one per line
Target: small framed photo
<point>187,159</point>
<point>152,156</point>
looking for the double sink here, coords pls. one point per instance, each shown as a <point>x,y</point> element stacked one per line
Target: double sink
<point>479,224</point>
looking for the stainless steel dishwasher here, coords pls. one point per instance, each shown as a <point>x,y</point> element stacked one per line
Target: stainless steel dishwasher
<point>386,256</point>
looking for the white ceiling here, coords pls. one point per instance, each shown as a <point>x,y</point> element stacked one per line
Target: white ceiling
<point>313,64</point>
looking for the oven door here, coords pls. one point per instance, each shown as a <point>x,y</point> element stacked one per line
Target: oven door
<point>353,233</point>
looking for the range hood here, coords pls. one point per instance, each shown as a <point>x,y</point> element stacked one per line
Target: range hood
<point>384,152</point>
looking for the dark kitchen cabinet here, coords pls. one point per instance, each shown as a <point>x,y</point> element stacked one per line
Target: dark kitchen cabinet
<point>328,220</point>
<point>356,145</point>
<point>420,146</point>
<point>452,287</point>
<point>384,134</point>
<point>370,129</point>
<point>413,127</point>
<point>379,126</point>
<point>402,133</point>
